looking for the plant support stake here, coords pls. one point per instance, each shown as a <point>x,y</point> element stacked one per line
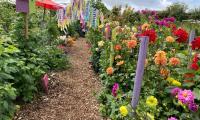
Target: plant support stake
<point>139,71</point>
<point>26,25</point>
<point>191,38</point>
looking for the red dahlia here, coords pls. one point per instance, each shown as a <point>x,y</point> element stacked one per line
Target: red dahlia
<point>151,34</point>
<point>195,61</point>
<point>181,34</point>
<point>194,66</point>
<point>196,43</point>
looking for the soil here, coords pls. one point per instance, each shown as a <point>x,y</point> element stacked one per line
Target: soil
<point>71,92</point>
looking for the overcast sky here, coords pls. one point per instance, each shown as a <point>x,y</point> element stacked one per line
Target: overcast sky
<point>149,4</point>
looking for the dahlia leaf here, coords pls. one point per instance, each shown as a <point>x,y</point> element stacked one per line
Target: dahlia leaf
<point>197,93</point>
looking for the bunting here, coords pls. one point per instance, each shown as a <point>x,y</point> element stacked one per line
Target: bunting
<point>79,10</point>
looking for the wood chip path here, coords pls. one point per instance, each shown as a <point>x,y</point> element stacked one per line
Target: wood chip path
<point>71,95</point>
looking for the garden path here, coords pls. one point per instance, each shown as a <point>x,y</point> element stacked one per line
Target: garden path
<point>71,94</point>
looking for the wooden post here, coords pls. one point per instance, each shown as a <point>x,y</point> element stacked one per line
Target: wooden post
<point>26,25</point>
<point>44,14</point>
<point>139,71</point>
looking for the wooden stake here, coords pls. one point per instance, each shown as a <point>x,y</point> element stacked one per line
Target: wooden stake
<point>26,25</point>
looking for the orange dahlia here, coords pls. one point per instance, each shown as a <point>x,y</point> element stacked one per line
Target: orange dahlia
<point>120,63</point>
<point>164,72</point>
<point>170,39</point>
<point>160,58</point>
<point>118,57</point>
<point>131,44</point>
<point>118,47</point>
<point>133,37</point>
<point>145,26</point>
<point>109,70</point>
<point>174,61</point>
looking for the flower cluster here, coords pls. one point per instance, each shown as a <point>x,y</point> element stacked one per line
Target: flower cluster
<point>165,22</point>
<point>115,89</point>
<point>131,44</point>
<point>174,61</point>
<point>148,12</point>
<point>118,47</point>
<point>172,118</point>
<point>196,43</point>
<point>195,65</point>
<point>145,26</point>
<point>151,101</point>
<point>100,43</point>
<point>123,111</point>
<point>160,58</point>
<point>182,35</point>
<point>185,97</point>
<point>173,82</point>
<point>164,72</point>
<point>170,39</point>
<point>151,34</point>
<point>109,70</point>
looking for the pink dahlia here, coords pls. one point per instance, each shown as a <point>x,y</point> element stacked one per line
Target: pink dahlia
<point>172,118</point>
<point>114,89</point>
<point>193,107</point>
<point>175,91</point>
<point>186,96</point>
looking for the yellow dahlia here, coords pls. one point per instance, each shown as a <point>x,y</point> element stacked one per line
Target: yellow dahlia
<point>123,111</point>
<point>151,101</point>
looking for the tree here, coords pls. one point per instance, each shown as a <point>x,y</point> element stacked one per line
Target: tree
<point>100,6</point>
<point>116,13</point>
<point>195,13</point>
<point>177,10</point>
<point>129,16</point>
<point>7,15</point>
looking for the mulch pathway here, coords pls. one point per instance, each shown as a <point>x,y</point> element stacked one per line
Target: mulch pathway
<point>71,94</point>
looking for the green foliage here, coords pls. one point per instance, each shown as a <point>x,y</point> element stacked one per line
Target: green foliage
<point>7,16</point>
<point>93,37</point>
<point>53,30</point>
<point>74,29</point>
<point>100,6</point>
<point>195,13</point>
<point>7,107</point>
<point>24,61</point>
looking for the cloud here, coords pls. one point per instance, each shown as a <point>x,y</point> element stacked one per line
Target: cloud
<point>142,4</point>
<point>150,4</point>
<point>138,4</point>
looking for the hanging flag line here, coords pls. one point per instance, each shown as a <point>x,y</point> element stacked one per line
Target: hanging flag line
<point>79,10</point>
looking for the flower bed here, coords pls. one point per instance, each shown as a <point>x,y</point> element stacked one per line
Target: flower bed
<point>170,87</point>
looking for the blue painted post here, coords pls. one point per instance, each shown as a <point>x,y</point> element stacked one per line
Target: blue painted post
<point>191,38</point>
<point>139,71</point>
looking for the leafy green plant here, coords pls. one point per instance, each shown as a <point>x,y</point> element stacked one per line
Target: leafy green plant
<point>7,107</point>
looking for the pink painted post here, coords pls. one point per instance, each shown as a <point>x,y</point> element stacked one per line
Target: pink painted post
<point>139,71</point>
<point>22,6</point>
<point>45,82</point>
